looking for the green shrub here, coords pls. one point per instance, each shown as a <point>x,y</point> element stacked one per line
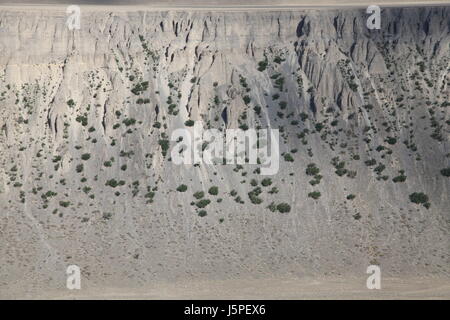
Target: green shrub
<point>253,196</point>
<point>189,123</point>
<point>446,172</point>
<point>283,207</point>
<point>288,157</point>
<point>182,188</point>
<point>391,140</point>
<point>315,195</point>
<point>262,65</point>
<point>199,195</point>
<point>85,156</point>
<point>164,143</point>
<point>114,183</point>
<point>57,158</point>
<point>272,207</point>
<point>202,213</point>
<point>312,170</point>
<point>71,103</point>
<point>351,197</point>
<point>64,204</point>
<point>266,182</point>
<point>203,203</point>
<point>418,197</point>
<point>400,178</point>
<point>106,215</point>
<point>129,121</point>
<point>214,191</point>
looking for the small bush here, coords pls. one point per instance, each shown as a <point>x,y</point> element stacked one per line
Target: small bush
<point>199,195</point>
<point>182,188</point>
<point>446,172</point>
<point>288,157</point>
<point>283,207</point>
<point>315,195</point>
<point>64,204</point>
<point>418,197</point>
<point>203,203</point>
<point>312,170</point>
<point>189,123</point>
<point>129,121</point>
<point>214,191</point>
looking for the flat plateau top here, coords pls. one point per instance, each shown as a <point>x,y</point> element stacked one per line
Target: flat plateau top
<point>212,5</point>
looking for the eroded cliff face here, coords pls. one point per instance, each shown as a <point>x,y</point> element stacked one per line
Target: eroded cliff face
<point>85,117</point>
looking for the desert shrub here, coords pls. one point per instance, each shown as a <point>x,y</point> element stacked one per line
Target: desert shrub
<point>214,191</point>
<point>253,196</point>
<point>182,188</point>
<point>114,183</point>
<point>262,65</point>
<point>446,172</point>
<point>79,168</point>
<point>164,143</point>
<point>189,123</point>
<point>86,189</point>
<point>64,204</point>
<point>319,126</point>
<point>315,195</point>
<point>288,157</point>
<point>272,207</point>
<point>243,126</point>
<point>312,170</point>
<point>129,121</point>
<point>202,213</point>
<point>71,103</point>
<point>199,195</point>
<point>418,197</point>
<point>400,178</point>
<point>85,156</point>
<point>107,215</point>
<point>57,158</point>
<point>391,140</point>
<point>283,207</point>
<point>266,182</point>
<point>351,197</point>
<point>203,203</point>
